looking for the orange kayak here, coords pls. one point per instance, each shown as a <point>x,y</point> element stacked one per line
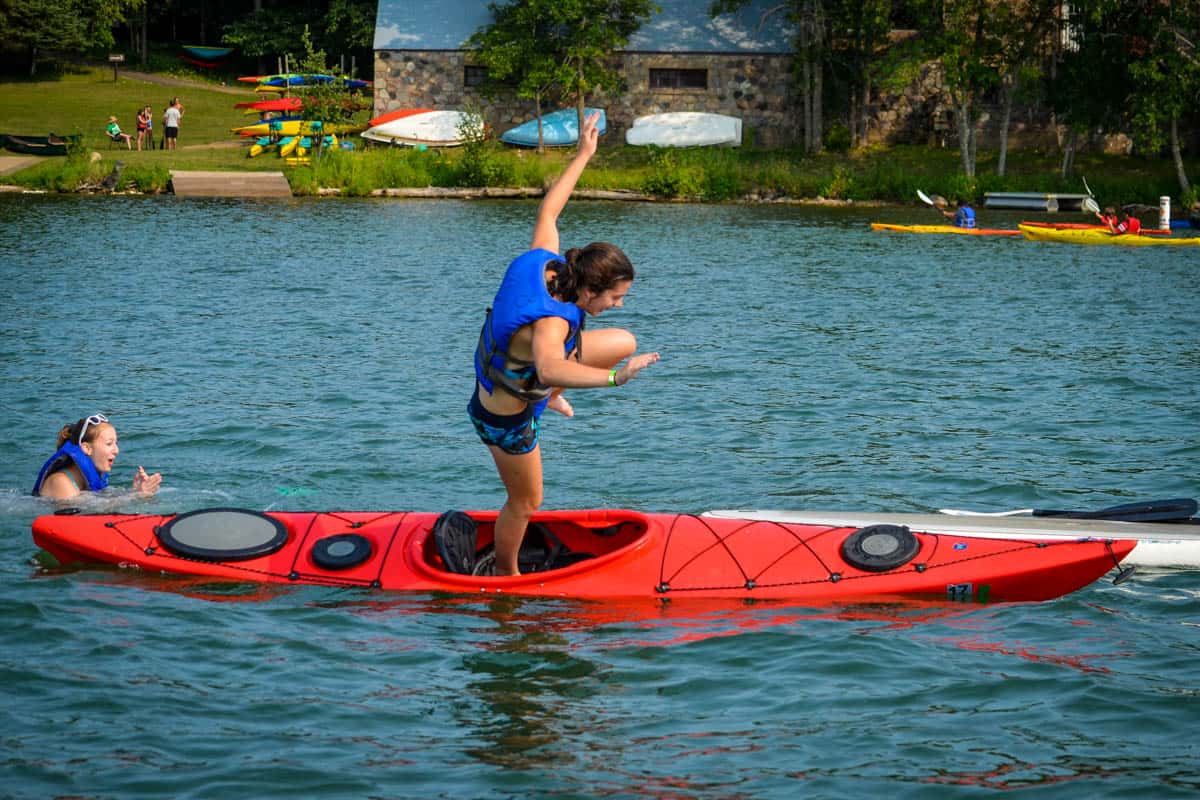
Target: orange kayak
<point>598,554</point>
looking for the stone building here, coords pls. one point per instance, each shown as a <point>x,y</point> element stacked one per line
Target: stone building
<point>681,60</point>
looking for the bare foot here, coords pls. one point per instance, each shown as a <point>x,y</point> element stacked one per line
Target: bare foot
<point>560,404</point>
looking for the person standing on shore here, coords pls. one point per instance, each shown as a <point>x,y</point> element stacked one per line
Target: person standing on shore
<point>171,119</point>
<point>145,127</point>
<point>533,345</point>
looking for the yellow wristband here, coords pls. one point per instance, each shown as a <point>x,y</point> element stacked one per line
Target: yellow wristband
<point>612,378</point>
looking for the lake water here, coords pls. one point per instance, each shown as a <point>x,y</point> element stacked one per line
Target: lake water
<point>317,355</point>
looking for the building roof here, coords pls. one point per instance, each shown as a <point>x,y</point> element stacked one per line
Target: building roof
<point>683,26</point>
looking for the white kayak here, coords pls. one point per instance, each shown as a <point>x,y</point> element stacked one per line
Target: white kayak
<point>1159,544</point>
<point>429,128</point>
<point>685,129</point>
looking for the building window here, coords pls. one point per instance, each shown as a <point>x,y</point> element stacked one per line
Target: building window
<point>474,75</point>
<point>678,78</point>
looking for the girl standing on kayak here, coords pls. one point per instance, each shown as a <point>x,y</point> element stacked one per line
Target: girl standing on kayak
<point>86,452</point>
<point>533,345</point>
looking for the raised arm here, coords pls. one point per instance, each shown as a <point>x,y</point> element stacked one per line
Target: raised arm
<point>545,230</point>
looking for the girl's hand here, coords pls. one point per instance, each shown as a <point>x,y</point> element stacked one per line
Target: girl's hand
<point>146,484</point>
<point>589,136</point>
<point>633,366</point>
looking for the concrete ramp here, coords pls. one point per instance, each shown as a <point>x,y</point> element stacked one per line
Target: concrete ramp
<point>195,183</point>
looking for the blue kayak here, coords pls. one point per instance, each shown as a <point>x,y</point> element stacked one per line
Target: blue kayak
<point>559,129</point>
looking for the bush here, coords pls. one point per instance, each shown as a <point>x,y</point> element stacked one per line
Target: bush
<point>837,137</point>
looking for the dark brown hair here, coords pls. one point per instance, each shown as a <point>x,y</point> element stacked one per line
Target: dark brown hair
<point>597,267</point>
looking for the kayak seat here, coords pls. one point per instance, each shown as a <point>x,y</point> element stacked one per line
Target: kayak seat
<point>456,537</point>
<point>541,551</point>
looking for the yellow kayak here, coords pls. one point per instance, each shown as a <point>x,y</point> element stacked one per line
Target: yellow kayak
<point>292,127</point>
<point>944,228</point>
<point>1094,236</point>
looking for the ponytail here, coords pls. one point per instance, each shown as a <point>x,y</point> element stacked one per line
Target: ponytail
<point>65,435</point>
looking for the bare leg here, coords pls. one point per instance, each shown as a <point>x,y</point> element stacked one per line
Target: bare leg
<point>522,477</point>
<point>607,347</point>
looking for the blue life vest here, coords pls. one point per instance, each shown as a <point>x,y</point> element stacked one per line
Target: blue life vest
<point>964,217</point>
<point>63,457</point>
<point>522,299</point>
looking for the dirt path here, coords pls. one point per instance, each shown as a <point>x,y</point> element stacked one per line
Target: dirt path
<point>163,80</point>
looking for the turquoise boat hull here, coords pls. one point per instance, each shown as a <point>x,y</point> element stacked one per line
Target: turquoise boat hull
<point>559,129</point>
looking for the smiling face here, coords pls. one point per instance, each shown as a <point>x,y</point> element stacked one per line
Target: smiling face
<point>103,447</point>
<point>596,302</point>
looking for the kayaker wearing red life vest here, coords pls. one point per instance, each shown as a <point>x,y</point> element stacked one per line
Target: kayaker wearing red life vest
<point>1108,218</point>
<point>86,452</point>
<point>533,346</point>
<point>1129,224</point>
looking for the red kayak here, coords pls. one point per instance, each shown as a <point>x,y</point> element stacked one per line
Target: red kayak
<point>1087,226</point>
<point>282,104</point>
<point>584,554</point>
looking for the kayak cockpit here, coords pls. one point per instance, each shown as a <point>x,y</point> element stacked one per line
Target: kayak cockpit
<point>462,543</point>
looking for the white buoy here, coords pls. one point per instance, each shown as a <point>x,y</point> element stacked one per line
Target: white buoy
<point>1164,213</point>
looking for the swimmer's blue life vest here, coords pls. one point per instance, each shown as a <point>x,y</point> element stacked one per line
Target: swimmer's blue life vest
<point>965,217</point>
<point>522,299</point>
<point>62,457</point>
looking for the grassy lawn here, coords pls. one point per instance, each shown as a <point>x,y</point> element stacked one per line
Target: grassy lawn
<point>80,100</point>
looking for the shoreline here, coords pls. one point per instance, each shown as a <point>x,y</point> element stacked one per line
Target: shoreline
<point>490,193</point>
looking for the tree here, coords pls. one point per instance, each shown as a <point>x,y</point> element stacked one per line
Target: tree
<point>563,45</point>
<point>335,26</point>
<point>1022,32</point>
<point>1089,88</point>
<point>859,29</point>
<point>514,50</point>
<point>75,27</point>
<point>811,57</point>
<point>590,33</point>
<point>1166,70</point>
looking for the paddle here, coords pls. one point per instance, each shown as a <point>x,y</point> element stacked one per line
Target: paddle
<point>1174,510</point>
<point>936,202</point>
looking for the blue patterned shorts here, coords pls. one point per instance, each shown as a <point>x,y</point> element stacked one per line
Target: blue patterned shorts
<point>513,433</point>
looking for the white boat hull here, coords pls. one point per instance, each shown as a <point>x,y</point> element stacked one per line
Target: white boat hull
<point>431,128</point>
<point>1159,545</point>
<point>685,129</point>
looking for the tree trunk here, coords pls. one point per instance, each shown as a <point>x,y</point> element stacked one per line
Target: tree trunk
<point>1008,93</point>
<point>143,35</point>
<point>1068,162</point>
<point>965,124</point>
<point>1177,156</point>
<point>865,115</point>
<point>537,110</point>
<point>818,76</point>
<point>852,118</point>
<point>33,54</point>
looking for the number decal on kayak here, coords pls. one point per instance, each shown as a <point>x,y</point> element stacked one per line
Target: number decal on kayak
<point>960,591</point>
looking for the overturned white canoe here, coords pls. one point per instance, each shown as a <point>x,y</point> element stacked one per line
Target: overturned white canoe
<point>685,129</point>
<point>430,128</point>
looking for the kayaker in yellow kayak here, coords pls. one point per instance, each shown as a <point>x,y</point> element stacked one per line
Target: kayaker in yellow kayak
<point>533,345</point>
<point>963,216</point>
<point>1128,224</point>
